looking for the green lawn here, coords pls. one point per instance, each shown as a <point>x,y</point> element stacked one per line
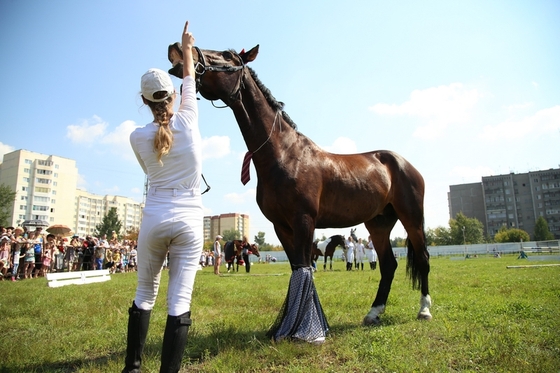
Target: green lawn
<point>486,318</point>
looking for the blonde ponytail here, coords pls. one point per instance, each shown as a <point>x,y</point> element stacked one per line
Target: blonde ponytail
<point>163,111</point>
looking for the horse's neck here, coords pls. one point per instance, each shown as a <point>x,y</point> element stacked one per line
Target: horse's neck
<point>258,121</point>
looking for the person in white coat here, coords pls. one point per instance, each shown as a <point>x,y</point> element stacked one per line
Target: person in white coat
<point>371,254</point>
<point>360,253</point>
<point>350,253</point>
<point>217,255</point>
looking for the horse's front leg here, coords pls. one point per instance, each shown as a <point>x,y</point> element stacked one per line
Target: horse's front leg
<point>387,267</point>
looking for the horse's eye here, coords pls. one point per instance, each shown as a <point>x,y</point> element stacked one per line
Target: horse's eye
<point>227,55</point>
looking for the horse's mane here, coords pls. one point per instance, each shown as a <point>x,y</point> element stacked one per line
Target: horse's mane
<point>275,104</point>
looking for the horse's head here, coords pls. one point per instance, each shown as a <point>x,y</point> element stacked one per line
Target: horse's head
<point>238,246</point>
<point>353,234</point>
<point>339,240</point>
<point>255,250</point>
<point>219,75</point>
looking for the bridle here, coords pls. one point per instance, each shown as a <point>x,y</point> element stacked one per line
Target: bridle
<point>201,68</point>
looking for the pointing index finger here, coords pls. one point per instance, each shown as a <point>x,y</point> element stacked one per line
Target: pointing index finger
<point>186,27</point>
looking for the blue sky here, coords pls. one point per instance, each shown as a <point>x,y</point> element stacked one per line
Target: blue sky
<point>461,89</point>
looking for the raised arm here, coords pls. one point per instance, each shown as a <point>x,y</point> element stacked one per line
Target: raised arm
<point>187,45</point>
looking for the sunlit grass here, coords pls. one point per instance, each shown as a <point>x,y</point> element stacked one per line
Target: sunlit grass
<point>486,319</point>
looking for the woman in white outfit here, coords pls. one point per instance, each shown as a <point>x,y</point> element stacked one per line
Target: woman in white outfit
<point>349,253</point>
<point>360,253</point>
<point>371,254</point>
<point>217,255</point>
<point>169,152</point>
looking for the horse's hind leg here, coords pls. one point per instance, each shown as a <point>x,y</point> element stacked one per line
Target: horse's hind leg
<point>380,229</point>
<point>411,215</point>
<point>418,268</point>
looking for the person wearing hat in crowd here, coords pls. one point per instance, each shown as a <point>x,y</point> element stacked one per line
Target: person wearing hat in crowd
<point>29,258</point>
<point>88,247</point>
<point>18,242</point>
<point>169,150</point>
<point>71,252</point>
<point>38,245</point>
<point>217,254</point>
<point>5,244</point>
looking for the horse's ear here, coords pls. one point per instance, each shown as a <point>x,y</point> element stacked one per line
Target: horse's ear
<point>250,55</point>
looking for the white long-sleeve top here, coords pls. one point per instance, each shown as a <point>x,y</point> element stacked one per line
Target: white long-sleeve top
<point>183,163</point>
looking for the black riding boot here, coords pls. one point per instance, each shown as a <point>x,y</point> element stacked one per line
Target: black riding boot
<point>174,342</point>
<point>138,322</point>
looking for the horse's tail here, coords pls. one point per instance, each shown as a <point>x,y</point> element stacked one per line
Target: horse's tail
<point>413,263</point>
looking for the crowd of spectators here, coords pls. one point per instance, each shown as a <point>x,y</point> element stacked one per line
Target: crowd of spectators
<point>26,254</point>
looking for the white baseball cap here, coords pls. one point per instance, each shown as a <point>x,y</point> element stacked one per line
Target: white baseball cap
<point>156,80</point>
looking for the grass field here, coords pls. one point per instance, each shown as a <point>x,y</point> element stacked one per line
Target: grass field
<point>486,319</point>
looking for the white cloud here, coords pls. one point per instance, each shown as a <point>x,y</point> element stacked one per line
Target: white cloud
<point>438,106</point>
<point>542,122</point>
<point>86,132</point>
<point>241,198</point>
<point>515,107</point>
<point>118,140</point>
<point>215,147</point>
<point>342,145</point>
<point>5,149</point>
<point>120,136</point>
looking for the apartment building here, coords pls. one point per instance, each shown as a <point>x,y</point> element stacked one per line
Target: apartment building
<point>45,186</point>
<point>46,189</point>
<point>512,200</point>
<point>217,224</point>
<point>91,208</point>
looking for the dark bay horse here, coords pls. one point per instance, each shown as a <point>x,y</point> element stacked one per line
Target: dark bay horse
<point>233,253</point>
<point>327,248</point>
<point>301,187</point>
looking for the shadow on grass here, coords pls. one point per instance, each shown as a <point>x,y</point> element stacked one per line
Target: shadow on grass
<point>71,366</point>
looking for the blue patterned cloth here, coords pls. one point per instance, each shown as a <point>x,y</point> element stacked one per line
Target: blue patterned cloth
<point>301,316</point>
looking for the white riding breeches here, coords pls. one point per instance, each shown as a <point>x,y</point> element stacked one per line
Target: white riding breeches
<point>172,221</point>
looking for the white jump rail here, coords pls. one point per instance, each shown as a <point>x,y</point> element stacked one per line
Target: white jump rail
<point>77,278</point>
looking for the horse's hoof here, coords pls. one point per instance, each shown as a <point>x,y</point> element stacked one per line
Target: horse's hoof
<point>424,316</point>
<point>369,321</point>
